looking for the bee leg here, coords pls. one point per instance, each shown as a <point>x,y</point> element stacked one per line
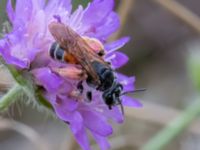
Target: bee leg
<point>80,86</point>
<point>71,72</point>
<point>89,96</point>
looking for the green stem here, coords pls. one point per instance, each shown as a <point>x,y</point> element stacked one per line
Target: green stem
<point>10,97</point>
<point>16,75</point>
<point>26,86</point>
<point>174,128</point>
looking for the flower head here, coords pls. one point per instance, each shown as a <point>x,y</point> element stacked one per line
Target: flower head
<point>27,48</point>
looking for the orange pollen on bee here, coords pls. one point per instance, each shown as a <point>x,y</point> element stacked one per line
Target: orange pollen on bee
<point>70,58</point>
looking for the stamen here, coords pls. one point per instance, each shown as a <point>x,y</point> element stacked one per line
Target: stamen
<point>58,18</point>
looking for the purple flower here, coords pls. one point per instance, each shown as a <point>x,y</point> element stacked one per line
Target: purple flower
<point>27,48</point>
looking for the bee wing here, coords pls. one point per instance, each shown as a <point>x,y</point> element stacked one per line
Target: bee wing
<point>60,34</point>
<point>74,44</point>
<point>70,40</point>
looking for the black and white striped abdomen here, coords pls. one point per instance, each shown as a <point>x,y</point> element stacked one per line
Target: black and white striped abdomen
<point>56,52</point>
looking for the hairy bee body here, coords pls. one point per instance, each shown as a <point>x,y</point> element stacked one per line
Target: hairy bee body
<point>58,53</point>
<point>105,74</point>
<point>70,47</point>
<point>108,85</point>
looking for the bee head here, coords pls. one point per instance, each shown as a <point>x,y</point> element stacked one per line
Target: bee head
<point>112,96</point>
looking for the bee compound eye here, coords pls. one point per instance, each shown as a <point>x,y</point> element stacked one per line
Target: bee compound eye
<point>108,98</point>
<point>117,94</point>
<point>90,81</point>
<point>80,86</point>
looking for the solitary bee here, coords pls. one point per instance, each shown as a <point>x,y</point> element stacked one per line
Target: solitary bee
<point>72,48</point>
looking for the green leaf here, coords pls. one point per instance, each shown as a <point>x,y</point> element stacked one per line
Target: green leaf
<point>76,3</point>
<point>194,68</point>
<point>174,128</point>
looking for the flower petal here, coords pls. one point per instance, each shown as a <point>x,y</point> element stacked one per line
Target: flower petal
<point>96,122</point>
<point>127,82</point>
<point>110,24</point>
<point>73,118</point>
<point>107,22</point>
<point>12,55</point>
<point>128,101</point>
<point>82,138</point>
<point>23,11</point>
<point>58,4</point>
<point>117,59</point>
<point>102,141</point>
<point>111,47</point>
<point>114,114</point>
<point>38,4</point>
<point>10,11</point>
<point>76,18</point>
<point>97,9</point>
<point>46,78</point>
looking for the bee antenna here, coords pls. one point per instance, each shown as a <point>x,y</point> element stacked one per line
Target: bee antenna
<point>121,106</point>
<point>137,90</point>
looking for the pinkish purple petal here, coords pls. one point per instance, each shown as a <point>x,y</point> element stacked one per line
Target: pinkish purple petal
<point>114,114</point>
<point>102,141</point>
<point>66,4</point>
<point>127,82</point>
<point>73,118</point>
<point>9,54</point>
<point>113,46</point>
<point>10,11</point>
<point>23,10</point>
<point>82,138</point>
<point>117,59</point>
<point>110,25</point>
<point>76,18</point>
<point>131,102</point>
<point>97,9</point>
<point>107,22</point>
<point>66,103</point>
<point>46,78</point>
<point>96,122</point>
<point>38,4</point>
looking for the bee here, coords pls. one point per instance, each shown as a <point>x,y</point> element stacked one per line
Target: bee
<point>72,48</point>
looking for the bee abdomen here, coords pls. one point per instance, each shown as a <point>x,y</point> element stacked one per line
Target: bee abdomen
<point>56,52</point>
